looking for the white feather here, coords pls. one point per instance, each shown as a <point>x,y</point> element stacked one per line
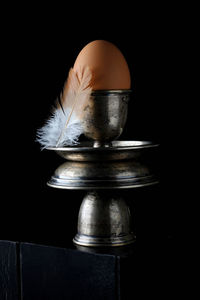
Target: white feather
<point>48,135</point>
<point>65,124</point>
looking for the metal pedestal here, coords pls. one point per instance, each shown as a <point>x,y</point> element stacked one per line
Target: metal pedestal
<point>104,217</point>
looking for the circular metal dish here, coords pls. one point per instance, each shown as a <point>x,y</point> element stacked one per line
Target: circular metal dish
<point>101,175</point>
<point>116,150</point>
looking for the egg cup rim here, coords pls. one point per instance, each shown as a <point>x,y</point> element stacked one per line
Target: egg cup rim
<point>106,92</point>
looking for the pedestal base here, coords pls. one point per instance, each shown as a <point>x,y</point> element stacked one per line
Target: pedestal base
<point>103,242</point>
<point>104,218</point>
<point>104,221</point>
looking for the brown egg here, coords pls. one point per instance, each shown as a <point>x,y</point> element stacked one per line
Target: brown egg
<point>108,65</point>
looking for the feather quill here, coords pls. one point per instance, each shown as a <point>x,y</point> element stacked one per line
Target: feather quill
<point>64,125</point>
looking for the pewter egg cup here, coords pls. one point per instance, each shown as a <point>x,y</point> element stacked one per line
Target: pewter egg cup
<point>106,115</point>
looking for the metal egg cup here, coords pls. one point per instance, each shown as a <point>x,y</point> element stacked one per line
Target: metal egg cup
<point>102,167</point>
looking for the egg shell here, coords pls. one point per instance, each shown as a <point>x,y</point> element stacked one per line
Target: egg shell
<point>109,68</point>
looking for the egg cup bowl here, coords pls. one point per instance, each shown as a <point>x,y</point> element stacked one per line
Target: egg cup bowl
<point>106,115</point>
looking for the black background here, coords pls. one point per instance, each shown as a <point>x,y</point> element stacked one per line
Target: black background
<point>39,45</point>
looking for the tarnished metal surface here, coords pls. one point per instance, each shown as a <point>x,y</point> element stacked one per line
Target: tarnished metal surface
<point>101,175</point>
<point>104,219</point>
<point>117,150</point>
<point>105,115</point>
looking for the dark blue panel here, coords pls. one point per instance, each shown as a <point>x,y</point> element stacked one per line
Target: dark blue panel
<point>8,271</point>
<point>50,273</point>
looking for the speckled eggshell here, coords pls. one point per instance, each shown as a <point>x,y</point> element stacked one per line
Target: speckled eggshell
<point>109,68</point>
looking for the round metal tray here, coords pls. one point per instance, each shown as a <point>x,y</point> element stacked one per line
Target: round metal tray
<point>101,175</point>
<point>116,150</point>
